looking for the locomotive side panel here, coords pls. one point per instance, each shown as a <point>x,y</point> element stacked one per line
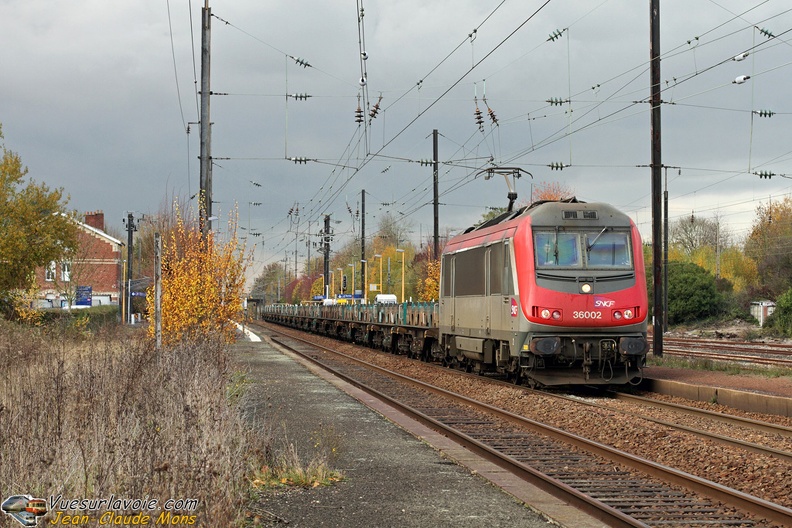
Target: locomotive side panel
<point>478,305</point>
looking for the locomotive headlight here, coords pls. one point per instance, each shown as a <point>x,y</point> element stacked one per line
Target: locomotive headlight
<point>628,314</point>
<point>617,315</point>
<point>586,288</point>
<point>545,314</point>
<point>556,315</point>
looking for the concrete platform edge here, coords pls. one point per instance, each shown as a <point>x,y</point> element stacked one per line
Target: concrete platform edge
<point>745,401</point>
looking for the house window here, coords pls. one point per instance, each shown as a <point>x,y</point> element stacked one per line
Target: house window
<point>49,272</point>
<point>65,271</point>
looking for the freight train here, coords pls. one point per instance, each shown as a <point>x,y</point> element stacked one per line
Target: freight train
<point>551,294</point>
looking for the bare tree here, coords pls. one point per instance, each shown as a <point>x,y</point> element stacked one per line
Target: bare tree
<point>693,232</point>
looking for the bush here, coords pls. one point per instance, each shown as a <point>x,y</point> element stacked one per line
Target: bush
<point>692,293</point>
<point>781,319</point>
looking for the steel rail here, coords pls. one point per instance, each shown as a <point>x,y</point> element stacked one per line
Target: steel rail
<point>579,500</point>
<point>744,501</point>
<point>703,413</point>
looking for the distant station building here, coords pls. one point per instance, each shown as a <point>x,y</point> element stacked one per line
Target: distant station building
<point>91,277</point>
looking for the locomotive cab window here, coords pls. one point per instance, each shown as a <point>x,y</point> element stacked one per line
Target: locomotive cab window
<point>590,249</point>
<point>557,249</point>
<point>608,249</point>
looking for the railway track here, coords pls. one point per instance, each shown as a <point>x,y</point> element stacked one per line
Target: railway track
<point>617,487</point>
<point>766,354</point>
<point>700,417</point>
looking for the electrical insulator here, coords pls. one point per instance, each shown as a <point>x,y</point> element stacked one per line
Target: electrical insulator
<point>299,160</point>
<point>300,96</point>
<point>479,120</point>
<point>358,115</point>
<point>492,116</point>
<point>765,113</point>
<point>557,166</point>
<point>426,162</point>
<point>765,174</point>
<point>741,79</point>
<point>741,56</point>
<point>375,108</point>
<point>556,101</point>
<point>301,62</point>
<point>555,35</point>
<point>767,33</point>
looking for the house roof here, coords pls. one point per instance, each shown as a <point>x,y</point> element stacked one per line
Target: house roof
<point>91,229</point>
<point>99,233</point>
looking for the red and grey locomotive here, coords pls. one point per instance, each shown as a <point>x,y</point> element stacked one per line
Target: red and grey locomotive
<point>551,294</point>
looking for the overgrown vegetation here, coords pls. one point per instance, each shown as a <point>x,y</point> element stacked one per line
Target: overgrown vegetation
<point>91,409</point>
<point>288,469</point>
<point>90,415</point>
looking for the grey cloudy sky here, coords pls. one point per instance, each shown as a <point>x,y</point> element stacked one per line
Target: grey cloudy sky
<point>96,97</point>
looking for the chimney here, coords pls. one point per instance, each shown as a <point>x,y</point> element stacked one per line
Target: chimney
<point>95,219</point>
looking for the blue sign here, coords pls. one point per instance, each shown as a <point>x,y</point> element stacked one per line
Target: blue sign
<point>83,296</point>
<point>318,297</point>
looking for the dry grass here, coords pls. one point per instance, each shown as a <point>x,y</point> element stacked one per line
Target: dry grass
<point>87,418</point>
<point>286,468</point>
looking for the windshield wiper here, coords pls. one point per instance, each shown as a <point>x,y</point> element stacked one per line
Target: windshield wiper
<point>555,246</point>
<point>589,246</point>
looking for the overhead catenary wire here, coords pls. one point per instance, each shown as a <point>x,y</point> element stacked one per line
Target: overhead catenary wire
<point>586,125</point>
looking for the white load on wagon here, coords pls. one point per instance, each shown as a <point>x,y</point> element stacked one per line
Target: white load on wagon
<point>385,298</point>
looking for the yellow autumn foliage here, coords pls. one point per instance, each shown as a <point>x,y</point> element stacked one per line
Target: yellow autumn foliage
<point>202,285</point>
<point>430,286</point>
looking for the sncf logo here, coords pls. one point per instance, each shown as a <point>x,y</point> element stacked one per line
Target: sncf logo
<point>514,311</point>
<point>603,302</point>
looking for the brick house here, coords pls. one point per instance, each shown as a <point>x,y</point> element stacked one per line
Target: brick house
<point>97,264</point>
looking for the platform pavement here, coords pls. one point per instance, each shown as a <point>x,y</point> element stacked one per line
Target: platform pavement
<point>393,477</point>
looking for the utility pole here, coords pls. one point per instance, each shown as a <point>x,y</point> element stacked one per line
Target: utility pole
<point>131,228</point>
<point>436,196</point>
<point>657,165</point>
<point>308,244</point>
<point>205,205</point>
<point>326,235</point>
<point>158,290</point>
<point>665,253</point>
<point>362,243</point>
